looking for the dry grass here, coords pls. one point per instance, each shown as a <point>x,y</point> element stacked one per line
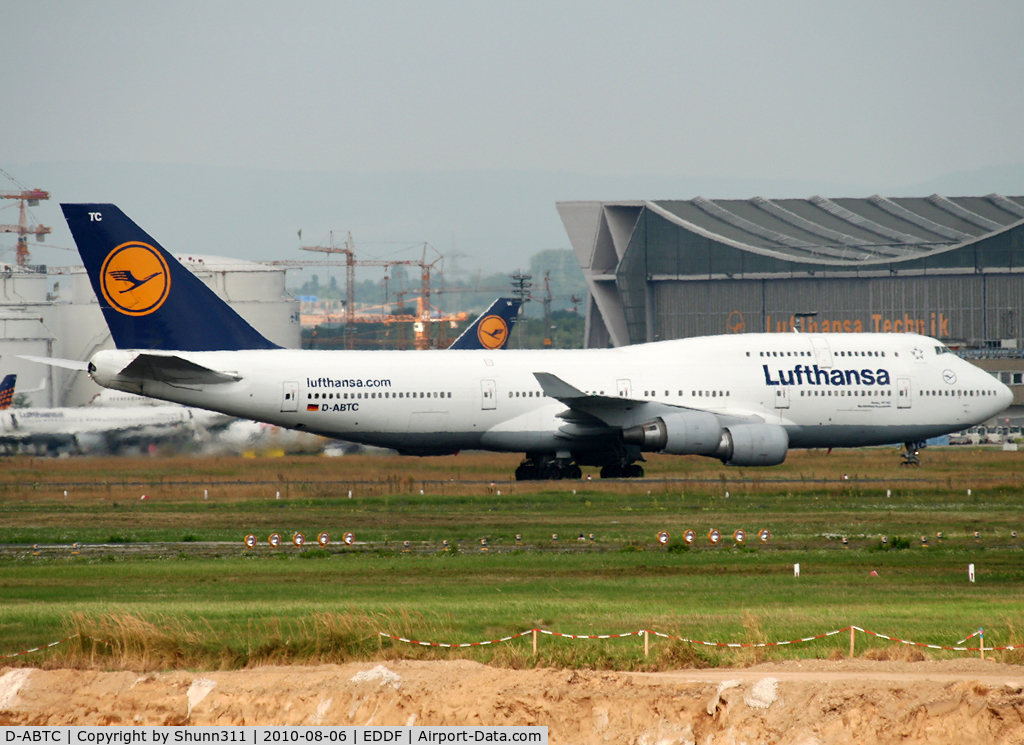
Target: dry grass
<point>127,641</point>
<point>134,642</point>
<point>896,653</point>
<point>184,478</point>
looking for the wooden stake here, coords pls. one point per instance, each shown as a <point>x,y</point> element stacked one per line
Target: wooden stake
<point>981,644</point>
<point>647,643</point>
<point>852,632</point>
<point>535,642</point>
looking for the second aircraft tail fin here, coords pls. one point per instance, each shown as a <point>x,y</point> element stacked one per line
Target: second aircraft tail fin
<point>7,391</point>
<point>492,329</point>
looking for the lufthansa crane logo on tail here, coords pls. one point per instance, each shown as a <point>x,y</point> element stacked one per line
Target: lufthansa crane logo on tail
<point>492,332</point>
<point>135,279</point>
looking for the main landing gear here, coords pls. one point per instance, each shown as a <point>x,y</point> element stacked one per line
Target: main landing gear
<point>910,455</point>
<point>547,467</point>
<point>622,471</point>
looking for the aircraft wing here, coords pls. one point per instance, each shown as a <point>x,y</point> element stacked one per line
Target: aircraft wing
<point>588,413</point>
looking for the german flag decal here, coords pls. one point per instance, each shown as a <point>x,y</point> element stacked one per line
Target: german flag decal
<point>312,407</point>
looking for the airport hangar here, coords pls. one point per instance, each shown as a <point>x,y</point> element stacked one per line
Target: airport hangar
<point>947,267</point>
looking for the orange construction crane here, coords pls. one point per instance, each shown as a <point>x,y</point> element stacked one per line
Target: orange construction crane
<point>30,197</point>
<point>425,313</point>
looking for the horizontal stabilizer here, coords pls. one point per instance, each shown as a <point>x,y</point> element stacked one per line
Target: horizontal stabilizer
<point>174,370</point>
<point>57,362</point>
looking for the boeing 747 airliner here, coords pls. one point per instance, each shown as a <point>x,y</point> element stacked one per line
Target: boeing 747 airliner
<point>744,399</point>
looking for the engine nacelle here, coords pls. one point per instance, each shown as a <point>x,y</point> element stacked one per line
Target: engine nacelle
<point>689,433</point>
<point>753,445</point>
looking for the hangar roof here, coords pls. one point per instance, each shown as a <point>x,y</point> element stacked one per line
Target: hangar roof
<point>845,231</point>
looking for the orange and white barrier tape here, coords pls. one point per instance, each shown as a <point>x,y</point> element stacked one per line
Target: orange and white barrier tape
<point>589,636</point>
<point>642,632</point>
<point>937,646</point>
<point>741,645</point>
<point>734,645</point>
<point>38,649</point>
<point>453,646</point>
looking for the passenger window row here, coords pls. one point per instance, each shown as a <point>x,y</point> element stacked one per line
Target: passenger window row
<point>382,394</point>
<point>695,394</point>
<point>841,353</point>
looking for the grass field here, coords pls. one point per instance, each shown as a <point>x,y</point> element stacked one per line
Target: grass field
<point>246,607</point>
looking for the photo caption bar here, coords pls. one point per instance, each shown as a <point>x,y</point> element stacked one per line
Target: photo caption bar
<point>126,735</point>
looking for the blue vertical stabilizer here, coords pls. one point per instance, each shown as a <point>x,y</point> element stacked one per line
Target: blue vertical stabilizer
<point>149,300</point>
<point>7,391</point>
<point>492,329</point>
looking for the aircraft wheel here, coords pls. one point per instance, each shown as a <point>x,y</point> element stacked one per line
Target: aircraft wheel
<point>573,472</point>
<point>634,471</point>
<point>526,472</point>
<point>551,472</point>
<point>611,471</point>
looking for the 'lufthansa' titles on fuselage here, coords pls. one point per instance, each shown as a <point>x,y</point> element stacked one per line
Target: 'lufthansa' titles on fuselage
<point>348,383</point>
<point>813,375</point>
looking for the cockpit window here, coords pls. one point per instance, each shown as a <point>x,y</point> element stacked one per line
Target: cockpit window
<point>942,349</point>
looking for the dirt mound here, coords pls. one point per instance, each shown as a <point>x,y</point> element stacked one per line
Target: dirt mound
<point>798,703</point>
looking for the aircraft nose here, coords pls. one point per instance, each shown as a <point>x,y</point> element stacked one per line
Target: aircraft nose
<point>1005,397</point>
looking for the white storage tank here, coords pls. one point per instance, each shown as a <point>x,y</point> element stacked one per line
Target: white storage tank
<point>255,291</point>
<point>24,331</point>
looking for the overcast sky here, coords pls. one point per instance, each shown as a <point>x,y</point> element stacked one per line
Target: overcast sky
<point>171,104</point>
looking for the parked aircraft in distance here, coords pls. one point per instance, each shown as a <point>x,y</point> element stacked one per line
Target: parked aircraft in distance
<point>93,429</point>
<point>744,399</point>
<point>98,429</point>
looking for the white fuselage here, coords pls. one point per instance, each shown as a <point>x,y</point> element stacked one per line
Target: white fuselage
<point>830,390</point>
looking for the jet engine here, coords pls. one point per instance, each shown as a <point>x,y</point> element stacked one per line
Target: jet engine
<point>701,433</point>
<point>753,445</point>
<point>689,433</point>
